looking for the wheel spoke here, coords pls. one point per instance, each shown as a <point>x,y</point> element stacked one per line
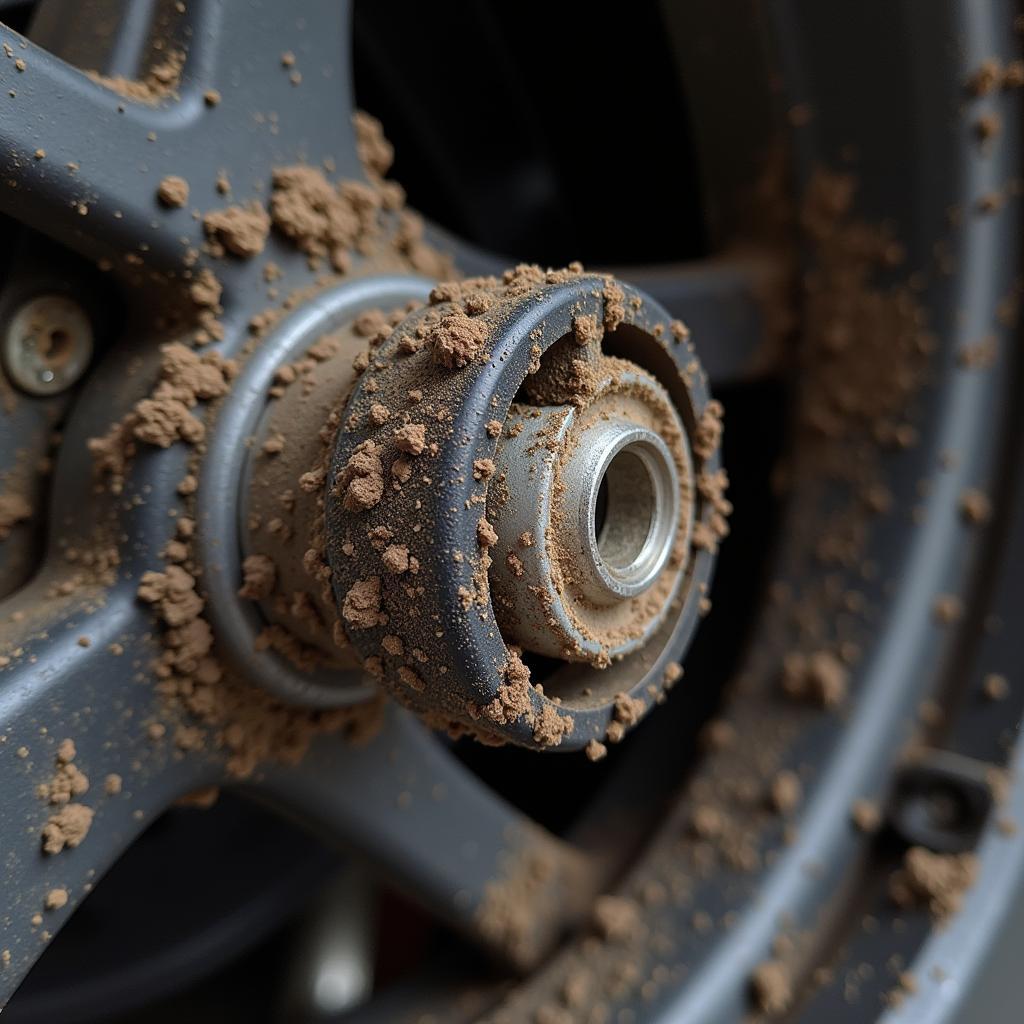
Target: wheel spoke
<point>76,157</point>
<point>735,306</point>
<point>54,689</point>
<point>431,827</point>
<point>283,74</point>
<point>83,163</point>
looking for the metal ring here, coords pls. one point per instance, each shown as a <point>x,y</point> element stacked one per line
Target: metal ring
<point>237,623</point>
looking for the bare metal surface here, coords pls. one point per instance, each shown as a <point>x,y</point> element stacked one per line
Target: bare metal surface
<point>623,481</point>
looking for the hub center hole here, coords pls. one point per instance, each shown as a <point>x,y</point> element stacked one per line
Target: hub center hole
<point>625,512</point>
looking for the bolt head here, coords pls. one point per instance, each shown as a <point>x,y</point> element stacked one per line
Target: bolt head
<point>47,345</point>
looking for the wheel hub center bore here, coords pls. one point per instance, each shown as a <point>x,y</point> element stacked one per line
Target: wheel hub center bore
<point>629,511</point>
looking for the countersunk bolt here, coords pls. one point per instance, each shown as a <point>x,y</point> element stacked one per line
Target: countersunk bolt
<point>47,344</point>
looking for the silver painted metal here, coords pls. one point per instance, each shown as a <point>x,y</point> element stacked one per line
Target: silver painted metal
<point>588,516</point>
<point>47,344</point>
<point>623,481</point>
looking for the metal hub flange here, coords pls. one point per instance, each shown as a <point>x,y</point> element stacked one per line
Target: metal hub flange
<point>408,540</point>
<point>593,508</point>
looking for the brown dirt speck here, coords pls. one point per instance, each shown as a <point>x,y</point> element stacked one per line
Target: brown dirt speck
<point>173,191</point>
<point>241,230</point>
<point>772,987</point>
<point>975,507</point>
<point>937,881</point>
<point>55,899</point>
<point>396,558</point>
<point>818,677</point>
<point>456,340</point>
<point>67,828</point>
<point>361,608</point>
<point>785,792</point>
<point>995,686</point>
<point>866,815</point>
<point>616,918</point>
<point>947,609</point>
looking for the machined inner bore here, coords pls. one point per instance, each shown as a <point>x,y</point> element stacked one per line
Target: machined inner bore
<point>593,512</point>
<point>631,508</point>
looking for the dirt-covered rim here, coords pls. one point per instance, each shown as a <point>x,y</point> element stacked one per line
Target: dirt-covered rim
<point>789,909</point>
<point>812,874</point>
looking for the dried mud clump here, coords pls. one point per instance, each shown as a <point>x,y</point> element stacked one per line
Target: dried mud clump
<point>219,712</point>
<point>820,678</point>
<point>173,191</point>
<point>160,82</point>
<point>168,414</point>
<point>550,728</point>
<point>772,987</point>
<point>411,438</point>
<point>507,915</point>
<point>361,608</point>
<point>456,340</point>
<point>514,702</point>
<point>56,899</point>
<point>68,781</point>
<point>241,230</point>
<point>361,483</point>
<point>513,699</point>
<point>616,918</point>
<point>258,576</point>
<point>375,152</point>
<point>326,219</point>
<point>14,509</point>
<point>937,881</point>
<point>67,828</point>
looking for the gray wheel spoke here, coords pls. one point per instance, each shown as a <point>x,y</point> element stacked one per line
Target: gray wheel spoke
<point>74,155</point>
<point>729,304</point>
<point>53,689</point>
<point>83,162</point>
<point>734,306</point>
<point>433,829</point>
<point>283,74</point>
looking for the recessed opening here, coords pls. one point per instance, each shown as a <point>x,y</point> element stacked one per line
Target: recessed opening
<point>56,346</point>
<point>625,511</point>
